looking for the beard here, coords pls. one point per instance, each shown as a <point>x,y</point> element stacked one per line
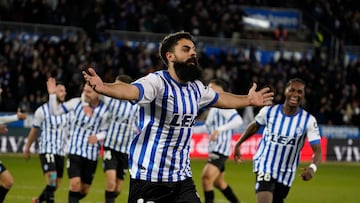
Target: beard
<point>188,71</point>
<point>60,100</point>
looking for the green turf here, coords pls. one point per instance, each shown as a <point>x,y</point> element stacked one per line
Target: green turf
<point>334,182</point>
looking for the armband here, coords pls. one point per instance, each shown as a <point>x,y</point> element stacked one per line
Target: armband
<point>313,167</point>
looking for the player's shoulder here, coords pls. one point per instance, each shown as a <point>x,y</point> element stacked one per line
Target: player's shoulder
<point>269,108</point>
<point>153,77</point>
<point>42,107</point>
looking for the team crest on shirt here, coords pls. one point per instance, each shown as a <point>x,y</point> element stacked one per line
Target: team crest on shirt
<point>299,131</point>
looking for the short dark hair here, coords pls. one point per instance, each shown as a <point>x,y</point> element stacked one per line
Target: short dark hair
<point>169,41</point>
<point>58,82</point>
<point>220,82</point>
<point>124,78</point>
<point>295,80</point>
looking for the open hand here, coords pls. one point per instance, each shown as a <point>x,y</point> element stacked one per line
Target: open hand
<point>51,85</point>
<point>262,97</point>
<point>93,79</point>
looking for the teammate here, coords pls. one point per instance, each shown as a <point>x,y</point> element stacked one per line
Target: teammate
<point>220,124</point>
<point>169,100</point>
<point>116,145</point>
<point>84,139</point>
<point>6,179</point>
<point>52,140</point>
<point>286,128</point>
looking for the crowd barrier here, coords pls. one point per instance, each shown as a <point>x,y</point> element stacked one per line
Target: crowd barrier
<point>335,146</point>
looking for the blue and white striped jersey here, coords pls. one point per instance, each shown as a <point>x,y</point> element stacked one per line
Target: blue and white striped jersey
<point>161,152</point>
<point>82,126</point>
<point>283,137</point>
<point>225,121</point>
<point>54,130</point>
<point>123,124</point>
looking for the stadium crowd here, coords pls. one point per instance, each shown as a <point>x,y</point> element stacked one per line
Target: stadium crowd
<point>332,91</point>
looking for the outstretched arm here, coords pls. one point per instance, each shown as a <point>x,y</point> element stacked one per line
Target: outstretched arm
<point>12,118</point>
<point>260,98</point>
<point>119,90</point>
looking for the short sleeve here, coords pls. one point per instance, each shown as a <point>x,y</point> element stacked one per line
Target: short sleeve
<point>38,118</point>
<point>313,132</point>
<point>148,87</point>
<point>208,95</point>
<point>260,118</point>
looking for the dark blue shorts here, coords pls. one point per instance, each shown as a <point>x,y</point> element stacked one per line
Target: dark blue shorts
<point>52,162</point>
<point>113,160</point>
<point>144,191</point>
<point>84,168</point>
<point>264,182</point>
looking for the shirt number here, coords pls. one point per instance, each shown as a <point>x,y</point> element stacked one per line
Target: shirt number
<point>107,155</point>
<point>262,176</point>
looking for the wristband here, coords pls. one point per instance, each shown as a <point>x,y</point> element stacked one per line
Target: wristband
<point>313,167</point>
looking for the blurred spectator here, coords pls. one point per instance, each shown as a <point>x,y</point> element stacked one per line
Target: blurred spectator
<point>280,33</point>
<point>25,64</point>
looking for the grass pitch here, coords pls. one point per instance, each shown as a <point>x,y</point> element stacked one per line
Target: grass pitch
<point>333,183</point>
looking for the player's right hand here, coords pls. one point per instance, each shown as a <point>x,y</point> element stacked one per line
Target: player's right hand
<point>3,129</point>
<point>20,115</point>
<point>26,154</point>
<point>237,153</point>
<point>92,79</point>
<point>51,85</point>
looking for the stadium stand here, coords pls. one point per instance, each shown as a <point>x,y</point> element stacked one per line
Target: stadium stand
<point>59,38</point>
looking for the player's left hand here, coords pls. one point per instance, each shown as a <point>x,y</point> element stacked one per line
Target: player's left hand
<point>262,97</point>
<point>88,111</point>
<point>26,153</point>
<point>307,173</point>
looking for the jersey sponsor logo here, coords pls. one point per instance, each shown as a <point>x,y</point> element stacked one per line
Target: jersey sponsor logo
<point>186,120</point>
<point>284,140</point>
